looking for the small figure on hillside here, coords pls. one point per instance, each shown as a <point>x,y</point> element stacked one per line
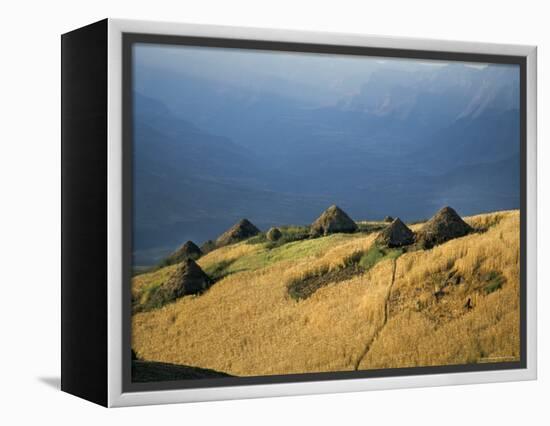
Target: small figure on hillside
<point>455,280</point>
<point>438,292</point>
<point>468,305</point>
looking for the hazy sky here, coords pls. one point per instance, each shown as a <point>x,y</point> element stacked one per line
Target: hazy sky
<point>330,76</point>
<point>276,137</point>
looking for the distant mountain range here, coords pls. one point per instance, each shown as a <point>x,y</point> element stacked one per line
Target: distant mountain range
<point>403,144</point>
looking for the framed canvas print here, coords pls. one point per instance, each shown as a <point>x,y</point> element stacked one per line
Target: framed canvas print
<point>251,212</point>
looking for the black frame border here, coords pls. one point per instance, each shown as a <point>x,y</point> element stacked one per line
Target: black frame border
<point>84,184</point>
<point>129,39</point>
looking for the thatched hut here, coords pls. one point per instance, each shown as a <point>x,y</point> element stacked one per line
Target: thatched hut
<point>242,230</point>
<point>397,234</point>
<point>331,221</point>
<point>445,225</point>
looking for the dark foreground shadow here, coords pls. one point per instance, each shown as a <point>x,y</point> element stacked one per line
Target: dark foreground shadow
<point>53,382</point>
<point>149,371</point>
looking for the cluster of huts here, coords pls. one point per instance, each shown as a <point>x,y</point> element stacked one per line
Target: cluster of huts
<point>189,278</point>
<point>445,225</point>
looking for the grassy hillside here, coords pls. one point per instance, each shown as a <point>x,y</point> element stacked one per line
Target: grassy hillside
<point>456,303</point>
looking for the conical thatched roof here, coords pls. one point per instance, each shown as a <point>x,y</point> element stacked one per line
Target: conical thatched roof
<point>242,230</point>
<point>189,250</point>
<point>444,226</point>
<point>397,234</point>
<point>333,220</point>
<point>274,234</point>
<point>188,278</point>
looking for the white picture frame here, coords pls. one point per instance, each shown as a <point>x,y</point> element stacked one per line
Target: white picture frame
<point>116,347</point>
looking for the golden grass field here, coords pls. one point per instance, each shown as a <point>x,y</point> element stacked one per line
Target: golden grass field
<point>400,313</point>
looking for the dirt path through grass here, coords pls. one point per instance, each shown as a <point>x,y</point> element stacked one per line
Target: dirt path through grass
<point>384,321</point>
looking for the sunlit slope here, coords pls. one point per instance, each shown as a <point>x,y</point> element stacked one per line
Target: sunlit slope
<point>405,312</point>
<point>422,330</point>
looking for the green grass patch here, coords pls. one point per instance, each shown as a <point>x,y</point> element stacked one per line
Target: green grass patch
<point>268,255</point>
<point>370,227</point>
<point>218,270</point>
<point>264,256</point>
<point>371,257</point>
<point>150,299</point>
<point>494,281</point>
<point>357,263</point>
<point>146,299</point>
<point>289,234</point>
<point>376,254</point>
<point>153,281</point>
<point>302,289</point>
